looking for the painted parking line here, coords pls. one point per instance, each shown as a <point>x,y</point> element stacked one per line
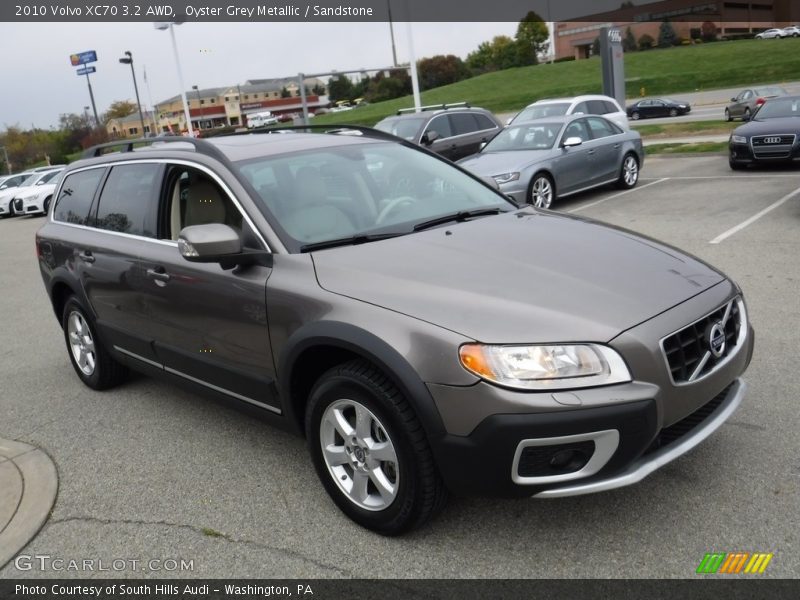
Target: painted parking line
<point>725,235</point>
<point>636,189</point>
<point>764,176</point>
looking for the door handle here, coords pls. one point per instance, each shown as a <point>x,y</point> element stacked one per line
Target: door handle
<point>159,274</point>
<point>616,146</point>
<point>86,256</point>
<point>590,152</point>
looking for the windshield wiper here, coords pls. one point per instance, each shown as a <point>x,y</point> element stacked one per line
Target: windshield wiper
<point>361,238</point>
<point>459,216</point>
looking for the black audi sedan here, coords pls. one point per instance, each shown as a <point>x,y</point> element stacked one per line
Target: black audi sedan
<point>770,136</point>
<point>657,107</point>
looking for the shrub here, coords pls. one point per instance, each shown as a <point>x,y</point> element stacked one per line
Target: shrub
<point>646,42</point>
<point>564,59</point>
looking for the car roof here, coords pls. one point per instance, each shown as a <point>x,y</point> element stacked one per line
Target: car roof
<point>435,112</point>
<point>555,119</point>
<point>573,99</point>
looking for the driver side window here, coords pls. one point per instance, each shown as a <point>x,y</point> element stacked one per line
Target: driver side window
<point>440,125</point>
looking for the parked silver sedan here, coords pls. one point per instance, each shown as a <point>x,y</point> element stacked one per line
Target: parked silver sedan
<point>541,160</point>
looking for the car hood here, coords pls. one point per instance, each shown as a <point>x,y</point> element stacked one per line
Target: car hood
<point>14,192</point>
<point>777,125</point>
<point>523,277</point>
<point>496,163</point>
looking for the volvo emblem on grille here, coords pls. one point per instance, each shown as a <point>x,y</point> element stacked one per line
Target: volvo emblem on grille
<point>772,140</point>
<point>716,339</point>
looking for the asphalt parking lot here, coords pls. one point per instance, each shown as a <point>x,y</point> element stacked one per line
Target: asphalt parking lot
<point>149,471</point>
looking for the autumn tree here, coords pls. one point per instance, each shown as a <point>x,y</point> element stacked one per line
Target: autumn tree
<point>441,70</point>
<point>533,39</point>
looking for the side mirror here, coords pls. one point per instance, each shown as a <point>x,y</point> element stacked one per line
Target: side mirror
<point>482,146</point>
<point>733,99</point>
<point>570,142</point>
<point>429,137</point>
<point>218,243</point>
<point>509,120</point>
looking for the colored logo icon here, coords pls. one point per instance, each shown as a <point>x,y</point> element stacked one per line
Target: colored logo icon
<point>733,563</point>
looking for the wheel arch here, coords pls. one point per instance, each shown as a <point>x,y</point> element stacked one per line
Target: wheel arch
<point>542,171</point>
<point>316,348</point>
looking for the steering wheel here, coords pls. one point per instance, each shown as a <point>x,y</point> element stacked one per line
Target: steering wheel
<point>399,203</point>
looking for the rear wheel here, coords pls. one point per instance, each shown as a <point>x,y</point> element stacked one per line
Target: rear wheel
<point>542,192</point>
<point>629,174</point>
<point>91,361</point>
<point>370,451</point>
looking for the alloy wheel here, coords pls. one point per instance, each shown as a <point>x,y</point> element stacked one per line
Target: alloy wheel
<point>542,192</point>
<point>359,454</point>
<point>81,343</point>
<point>630,171</point>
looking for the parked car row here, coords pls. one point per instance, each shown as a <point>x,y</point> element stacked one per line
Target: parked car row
<point>777,34</point>
<point>29,192</point>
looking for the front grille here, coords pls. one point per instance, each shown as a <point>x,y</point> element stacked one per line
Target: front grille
<point>688,351</point>
<point>772,146</point>
<point>676,431</point>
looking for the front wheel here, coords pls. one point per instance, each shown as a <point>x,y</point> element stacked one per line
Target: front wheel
<point>746,114</point>
<point>542,192</point>
<point>673,112</point>
<point>728,116</point>
<point>91,361</point>
<point>629,174</point>
<point>736,166</point>
<point>636,116</point>
<point>47,204</point>
<point>370,451</point>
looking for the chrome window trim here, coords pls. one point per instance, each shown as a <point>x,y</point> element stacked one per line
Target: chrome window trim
<point>166,161</point>
<point>740,339</point>
<point>605,444</point>
<point>216,388</point>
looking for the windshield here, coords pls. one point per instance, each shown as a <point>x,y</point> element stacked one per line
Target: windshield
<point>361,189</point>
<point>526,136</point>
<point>404,128</point>
<point>539,111</point>
<point>49,177</point>
<point>770,91</point>
<point>30,180</point>
<point>779,107</point>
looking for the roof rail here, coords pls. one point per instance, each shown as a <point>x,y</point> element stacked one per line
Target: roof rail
<point>434,107</point>
<point>201,146</point>
<point>332,128</point>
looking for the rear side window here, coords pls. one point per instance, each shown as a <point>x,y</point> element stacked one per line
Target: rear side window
<point>75,198</point>
<point>600,128</point>
<point>611,107</point>
<point>127,200</point>
<point>582,107</point>
<point>463,123</point>
<point>597,107</point>
<point>485,122</point>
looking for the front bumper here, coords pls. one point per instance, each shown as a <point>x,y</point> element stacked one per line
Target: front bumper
<point>744,154</point>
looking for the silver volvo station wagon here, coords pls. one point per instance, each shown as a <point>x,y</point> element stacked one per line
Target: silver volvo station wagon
<point>425,333</point>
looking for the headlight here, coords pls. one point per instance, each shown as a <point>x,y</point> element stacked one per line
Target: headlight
<point>738,139</point>
<point>545,367</point>
<point>505,178</point>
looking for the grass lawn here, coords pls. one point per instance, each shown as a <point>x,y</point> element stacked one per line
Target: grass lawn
<point>660,72</point>
<point>688,128</point>
<point>715,147</point>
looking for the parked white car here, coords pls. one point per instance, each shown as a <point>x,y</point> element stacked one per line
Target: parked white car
<point>588,105</point>
<point>37,199</point>
<point>32,183</point>
<point>261,119</point>
<point>791,31</point>
<point>770,34</point>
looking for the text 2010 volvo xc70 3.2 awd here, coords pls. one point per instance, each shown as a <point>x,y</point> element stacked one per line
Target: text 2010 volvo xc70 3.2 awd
<point>426,334</point>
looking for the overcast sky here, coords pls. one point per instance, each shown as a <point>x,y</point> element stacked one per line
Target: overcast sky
<point>38,82</point>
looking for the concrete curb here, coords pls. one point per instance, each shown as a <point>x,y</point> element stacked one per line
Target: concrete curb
<point>28,488</point>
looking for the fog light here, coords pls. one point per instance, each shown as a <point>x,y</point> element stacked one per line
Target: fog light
<point>568,460</point>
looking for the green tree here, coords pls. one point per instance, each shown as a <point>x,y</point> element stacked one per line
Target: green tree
<point>285,93</point>
<point>318,89</point>
<point>629,41</point>
<point>386,88</point>
<point>119,109</point>
<point>441,70</point>
<point>501,53</point>
<point>708,31</point>
<point>596,47</point>
<point>340,88</point>
<point>533,38</point>
<point>667,36</point>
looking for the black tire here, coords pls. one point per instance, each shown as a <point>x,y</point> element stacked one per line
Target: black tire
<point>673,112</point>
<point>539,185</point>
<point>746,116</point>
<point>106,372</point>
<point>635,115</point>
<point>47,204</point>
<point>728,116</point>
<point>11,210</point>
<point>624,182</point>
<point>736,166</point>
<point>419,492</point>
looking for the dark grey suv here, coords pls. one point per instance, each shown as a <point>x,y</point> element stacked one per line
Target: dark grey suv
<point>452,130</point>
<point>437,339</point>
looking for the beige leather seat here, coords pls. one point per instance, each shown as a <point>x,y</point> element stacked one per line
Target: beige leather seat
<point>312,217</point>
<point>204,204</point>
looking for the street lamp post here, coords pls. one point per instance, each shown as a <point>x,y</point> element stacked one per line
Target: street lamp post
<point>199,108</point>
<point>128,60</point>
<point>170,25</point>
